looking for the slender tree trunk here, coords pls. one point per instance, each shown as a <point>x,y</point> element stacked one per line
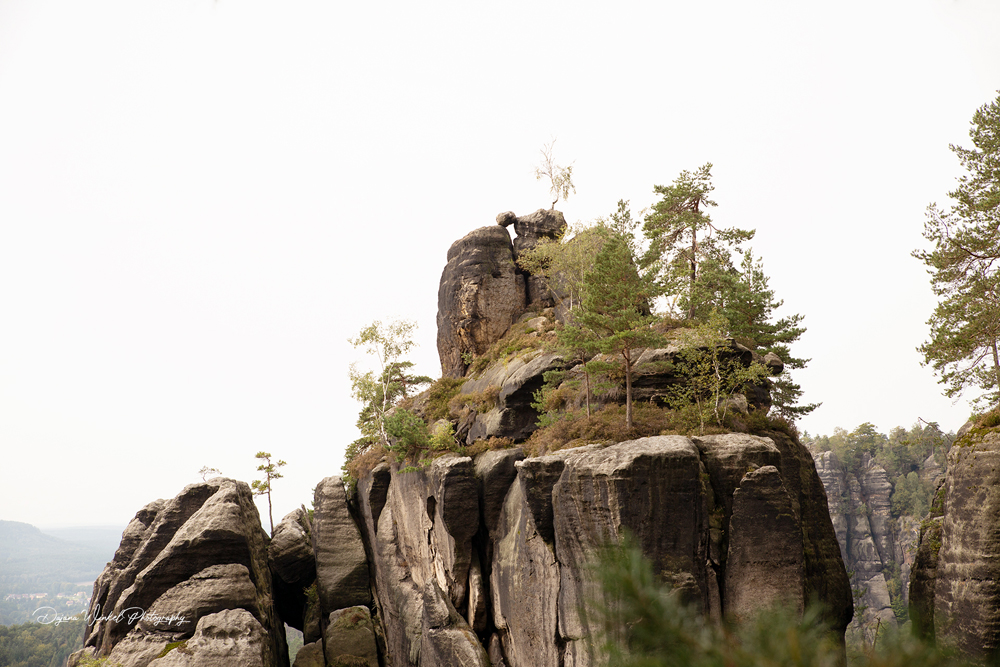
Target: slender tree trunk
<point>628,388</point>
<point>996,365</point>
<point>270,513</point>
<point>586,374</point>
<point>694,271</point>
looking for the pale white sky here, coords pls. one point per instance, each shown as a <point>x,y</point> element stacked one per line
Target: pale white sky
<point>200,201</point>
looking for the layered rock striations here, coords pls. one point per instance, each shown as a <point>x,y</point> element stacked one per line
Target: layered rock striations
<point>459,574</point>
<point>190,583</point>
<point>487,560</point>
<point>955,596</point>
<point>879,549</point>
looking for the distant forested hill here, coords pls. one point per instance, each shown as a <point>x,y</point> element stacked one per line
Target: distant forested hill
<point>53,571</point>
<point>30,560</point>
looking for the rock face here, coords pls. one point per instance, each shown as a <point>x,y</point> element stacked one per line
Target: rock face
<point>480,296</point>
<point>765,559</point>
<point>293,566</point>
<point>961,581</point>
<point>341,563</point>
<point>197,567</point>
<point>441,539</point>
<point>483,291</point>
<point>231,637</point>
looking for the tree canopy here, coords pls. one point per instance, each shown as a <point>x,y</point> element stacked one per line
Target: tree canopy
<point>682,237</point>
<point>614,316</point>
<point>963,265</point>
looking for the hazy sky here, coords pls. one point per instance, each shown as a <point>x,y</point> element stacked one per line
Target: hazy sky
<point>201,201</point>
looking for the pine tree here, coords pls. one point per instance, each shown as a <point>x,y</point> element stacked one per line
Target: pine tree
<point>963,266</point>
<point>615,309</point>
<point>682,236</point>
<point>262,487</point>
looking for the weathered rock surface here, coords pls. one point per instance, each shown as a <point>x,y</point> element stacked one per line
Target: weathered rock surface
<point>192,564</point>
<point>923,581</point>
<point>966,581</point>
<point>831,472</point>
<point>480,295</point>
<point>310,655</point>
<point>293,566</point>
<point>543,223</point>
<point>341,563</point>
<point>765,563</point>
<point>673,493</point>
<point>232,637</point>
<point>515,383</point>
<point>872,544</point>
<point>422,555</point>
<point>349,639</point>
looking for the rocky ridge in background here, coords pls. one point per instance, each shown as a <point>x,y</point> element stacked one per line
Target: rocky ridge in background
<point>876,547</point>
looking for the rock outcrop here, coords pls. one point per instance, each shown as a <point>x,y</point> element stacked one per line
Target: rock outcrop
<point>530,229</point>
<point>190,584</point>
<point>483,561</point>
<point>956,591</point>
<point>872,544</point>
<point>481,294</point>
<point>293,566</point>
<point>441,540</point>
<point>482,290</point>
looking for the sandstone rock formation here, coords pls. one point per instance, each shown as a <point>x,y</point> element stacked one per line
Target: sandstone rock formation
<point>441,540</point>
<point>860,513</point>
<point>956,590</point>
<point>515,384</point>
<point>481,294</point>
<point>483,291</point>
<point>543,223</point>
<point>193,569</point>
<point>293,566</point>
<point>341,563</point>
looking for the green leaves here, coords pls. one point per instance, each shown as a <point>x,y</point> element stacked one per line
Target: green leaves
<point>262,487</point>
<point>379,392</point>
<point>682,238</point>
<point>963,265</point>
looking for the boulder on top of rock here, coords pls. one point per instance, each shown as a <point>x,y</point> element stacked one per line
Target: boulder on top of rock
<point>543,223</point>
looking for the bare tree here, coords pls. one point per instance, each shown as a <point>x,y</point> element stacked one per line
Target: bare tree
<point>561,178</point>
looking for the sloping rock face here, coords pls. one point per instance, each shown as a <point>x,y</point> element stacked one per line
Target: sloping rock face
<point>193,568</point>
<point>441,539</point>
<point>480,296</point>
<point>963,585</point>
